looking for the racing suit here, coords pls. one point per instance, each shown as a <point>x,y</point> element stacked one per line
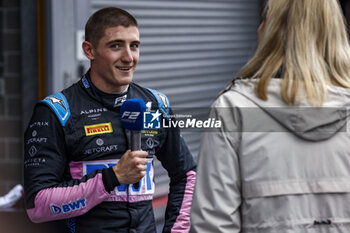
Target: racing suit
<point>71,143</point>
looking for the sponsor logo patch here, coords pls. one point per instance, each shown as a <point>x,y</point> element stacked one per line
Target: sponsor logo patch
<point>99,142</point>
<point>39,124</point>
<point>120,100</point>
<point>85,82</point>
<point>164,100</point>
<point>149,132</point>
<point>93,111</point>
<point>98,129</point>
<point>124,190</point>
<point>36,140</point>
<point>150,142</point>
<point>32,151</point>
<point>69,207</point>
<point>34,162</point>
<point>55,100</point>
<point>101,149</point>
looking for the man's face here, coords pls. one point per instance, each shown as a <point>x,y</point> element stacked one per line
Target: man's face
<point>115,58</point>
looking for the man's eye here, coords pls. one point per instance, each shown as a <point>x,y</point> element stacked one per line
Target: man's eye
<point>134,45</point>
<point>114,46</point>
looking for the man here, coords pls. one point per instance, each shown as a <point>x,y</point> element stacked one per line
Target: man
<point>78,165</point>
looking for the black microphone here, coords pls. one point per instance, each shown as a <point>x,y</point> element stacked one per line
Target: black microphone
<point>131,113</point>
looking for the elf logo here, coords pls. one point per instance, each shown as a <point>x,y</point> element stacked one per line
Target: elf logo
<point>66,208</point>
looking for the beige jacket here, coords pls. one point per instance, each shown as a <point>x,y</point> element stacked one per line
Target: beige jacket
<point>273,168</point>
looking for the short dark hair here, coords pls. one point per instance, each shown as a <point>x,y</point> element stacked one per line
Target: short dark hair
<point>105,18</point>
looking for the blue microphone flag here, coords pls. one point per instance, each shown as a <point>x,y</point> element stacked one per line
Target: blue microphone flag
<point>131,114</point>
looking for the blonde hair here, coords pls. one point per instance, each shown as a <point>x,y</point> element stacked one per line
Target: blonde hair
<point>305,41</point>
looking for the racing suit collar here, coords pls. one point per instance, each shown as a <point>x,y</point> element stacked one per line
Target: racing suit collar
<point>110,101</point>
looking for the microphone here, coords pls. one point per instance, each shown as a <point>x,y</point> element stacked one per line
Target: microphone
<point>131,116</point>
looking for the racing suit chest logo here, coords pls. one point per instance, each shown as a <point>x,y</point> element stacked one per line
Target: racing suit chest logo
<point>98,129</point>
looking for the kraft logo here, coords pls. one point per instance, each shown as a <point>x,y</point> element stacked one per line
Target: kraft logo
<point>152,120</point>
<point>130,115</point>
<point>66,208</point>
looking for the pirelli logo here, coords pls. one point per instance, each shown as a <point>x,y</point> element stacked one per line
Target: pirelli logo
<point>98,129</point>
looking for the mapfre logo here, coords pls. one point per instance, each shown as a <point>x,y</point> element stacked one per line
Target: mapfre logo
<point>98,129</point>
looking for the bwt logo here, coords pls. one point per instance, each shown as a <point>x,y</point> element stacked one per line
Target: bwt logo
<point>66,208</point>
<point>151,120</point>
<point>130,115</point>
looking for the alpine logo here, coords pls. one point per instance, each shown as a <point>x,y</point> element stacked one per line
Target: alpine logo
<point>98,129</point>
<point>164,100</point>
<point>66,208</point>
<point>55,100</point>
<point>91,111</point>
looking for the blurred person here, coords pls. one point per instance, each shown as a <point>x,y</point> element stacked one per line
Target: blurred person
<point>78,166</point>
<point>281,160</point>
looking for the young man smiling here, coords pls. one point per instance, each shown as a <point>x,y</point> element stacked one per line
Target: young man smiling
<point>113,58</point>
<point>83,171</point>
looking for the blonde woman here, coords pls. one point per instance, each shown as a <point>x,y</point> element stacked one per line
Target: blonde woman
<point>281,161</point>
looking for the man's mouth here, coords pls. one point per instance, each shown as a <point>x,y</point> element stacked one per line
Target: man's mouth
<point>124,68</point>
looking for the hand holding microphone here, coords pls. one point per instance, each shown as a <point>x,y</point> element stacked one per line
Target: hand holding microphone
<point>132,166</point>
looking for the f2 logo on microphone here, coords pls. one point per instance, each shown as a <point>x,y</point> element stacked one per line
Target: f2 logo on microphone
<point>130,115</point>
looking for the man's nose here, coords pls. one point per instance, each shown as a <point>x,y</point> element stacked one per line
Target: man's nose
<point>127,56</point>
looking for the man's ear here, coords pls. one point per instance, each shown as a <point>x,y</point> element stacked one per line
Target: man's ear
<point>88,49</point>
